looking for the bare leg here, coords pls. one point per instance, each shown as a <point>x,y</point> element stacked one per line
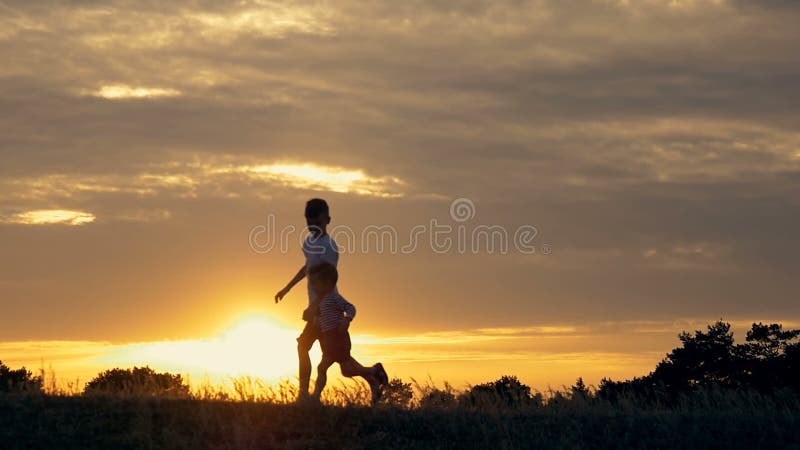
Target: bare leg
<point>322,376</point>
<point>305,367</point>
<point>352,368</point>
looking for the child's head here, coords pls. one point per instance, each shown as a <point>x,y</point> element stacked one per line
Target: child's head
<point>323,278</point>
<point>317,216</point>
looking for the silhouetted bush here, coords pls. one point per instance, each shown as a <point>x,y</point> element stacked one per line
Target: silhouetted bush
<point>138,381</point>
<point>506,392</point>
<point>398,394</point>
<point>20,380</point>
<point>438,398</point>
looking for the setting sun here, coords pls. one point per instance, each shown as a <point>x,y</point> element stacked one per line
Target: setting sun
<point>254,345</point>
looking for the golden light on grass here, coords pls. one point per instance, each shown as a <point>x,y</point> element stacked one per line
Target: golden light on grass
<point>50,216</point>
<point>122,91</point>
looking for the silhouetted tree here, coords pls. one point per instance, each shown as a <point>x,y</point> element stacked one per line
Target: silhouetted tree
<point>792,366</point>
<point>703,359</point>
<point>580,391</point>
<point>20,380</point>
<point>138,381</point>
<point>768,341</point>
<point>768,360</point>
<point>765,360</point>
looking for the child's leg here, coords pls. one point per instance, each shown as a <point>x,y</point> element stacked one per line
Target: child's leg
<point>305,369</point>
<point>351,368</point>
<point>322,376</point>
<point>304,343</point>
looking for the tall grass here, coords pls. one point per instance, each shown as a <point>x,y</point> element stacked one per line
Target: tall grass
<point>248,413</point>
<point>429,395</point>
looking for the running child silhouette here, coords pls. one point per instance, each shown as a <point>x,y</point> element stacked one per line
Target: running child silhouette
<point>334,317</point>
<point>318,247</point>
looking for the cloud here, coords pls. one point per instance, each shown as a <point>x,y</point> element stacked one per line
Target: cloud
<point>274,19</point>
<point>49,217</point>
<point>144,215</point>
<point>121,91</point>
<point>689,256</point>
<point>187,180</point>
<point>316,177</point>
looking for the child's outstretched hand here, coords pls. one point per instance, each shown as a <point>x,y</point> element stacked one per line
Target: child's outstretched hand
<point>282,293</point>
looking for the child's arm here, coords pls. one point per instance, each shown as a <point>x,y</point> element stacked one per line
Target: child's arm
<point>299,276</point>
<point>349,312</point>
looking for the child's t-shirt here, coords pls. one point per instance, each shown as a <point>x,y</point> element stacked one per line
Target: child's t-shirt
<point>333,310</point>
<point>317,250</point>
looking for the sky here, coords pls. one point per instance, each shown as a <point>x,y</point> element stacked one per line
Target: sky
<point>640,158</point>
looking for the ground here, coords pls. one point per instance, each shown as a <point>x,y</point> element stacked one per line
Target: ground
<point>86,422</point>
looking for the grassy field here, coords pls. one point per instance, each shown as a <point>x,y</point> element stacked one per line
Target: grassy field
<point>139,422</point>
<point>707,394</point>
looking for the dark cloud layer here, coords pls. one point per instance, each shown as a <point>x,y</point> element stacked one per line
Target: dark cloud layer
<point>654,144</point>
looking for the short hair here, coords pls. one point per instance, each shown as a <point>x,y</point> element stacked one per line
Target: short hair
<point>325,271</point>
<point>316,206</point>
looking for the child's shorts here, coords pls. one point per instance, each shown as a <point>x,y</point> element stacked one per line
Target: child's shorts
<point>310,333</point>
<point>336,345</point>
